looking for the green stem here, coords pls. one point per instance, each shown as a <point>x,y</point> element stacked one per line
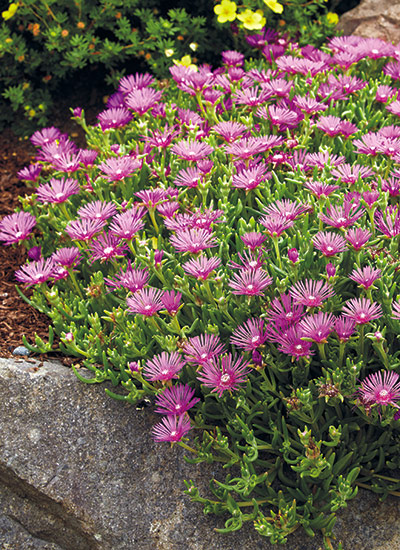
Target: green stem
<point>75,282</point>
<point>278,255</point>
<point>153,219</point>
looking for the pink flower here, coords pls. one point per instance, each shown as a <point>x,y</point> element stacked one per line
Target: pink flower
<point>357,237</point>
<point>275,224</point>
<point>201,349</point>
<point>344,328</point>
<point>253,239</point>
<point>317,327</point>
<point>380,388</point>
<point>191,150</point>
<point>230,130</point>
<point>224,373</point>
<point>97,210</point>
<point>84,229</point>
<point>329,243</point>
<point>250,335</point>
<point>126,224</point>
<point>146,301</point>
<point>362,310</point>
<point>250,283</point>
<point>172,428</point>
<point>284,313</point>
<point>171,300</point>
<point>47,135</point>
<point>31,172</point>
<point>68,257</point>
<point>163,366</point>
<point>320,189</point>
<point>35,273</point>
<point>118,168</point>
<point>130,278</point>
<point>396,310</point>
<point>114,118</point>
<point>142,100</point>
<point>133,82</point>
<point>290,343</point>
<point>188,177</point>
<point>365,276</point>
<point>106,247</point>
<point>201,267</point>
<point>250,178</point>
<point>193,240</point>
<point>16,227</point>
<point>176,400</point>
<point>57,191</point>
<point>311,293</point>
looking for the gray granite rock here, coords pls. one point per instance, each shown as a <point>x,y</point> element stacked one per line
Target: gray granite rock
<point>373,19</point>
<point>79,471</point>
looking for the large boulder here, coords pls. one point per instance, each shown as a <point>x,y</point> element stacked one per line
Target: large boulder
<point>79,471</point>
<point>373,19</point>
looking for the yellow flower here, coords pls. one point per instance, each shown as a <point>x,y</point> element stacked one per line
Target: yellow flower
<point>333,18</point>
<point>252,20</point>
<point>12,8</point>
<point>273,5</point>
<point>226,11</point>
<point>186,61</point>
<point>169,52</point>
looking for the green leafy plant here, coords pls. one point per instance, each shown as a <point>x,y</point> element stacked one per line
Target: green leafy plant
<point>227,247</point>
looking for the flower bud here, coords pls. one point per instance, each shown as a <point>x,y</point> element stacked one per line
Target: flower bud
<point>293,255</point>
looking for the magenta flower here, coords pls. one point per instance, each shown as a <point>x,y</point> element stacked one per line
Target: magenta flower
<point>291,343</point>
<point>388,222</point>
<point>380,388</point>
<point>35,273</point>
<point>118,168</point>
<point>286,208</point>
<point>68,257</point>
<point>201,349</point>
<point>188,177</point>
<point>366,276</point>
<point>171,301</point>
<point>253,239</point>
<point>320,189</point>
<point>324,159</point>
<point>369,144</point>
<point>396,310</point>
<point>281,117</point>
<point>357,237</point>
<point>344,328</point>
<point>53,150</point>
<point>230,130</point>
<point>201,267</point>
<point>47,135</point>
<point>172,428</point>
<point>151,197</point>
<point>232,58</point>
<point>330,125</point>
<point>176,400</point>
<point>362,310</point>
<point>133,82</point>
<point>97,210</point>
<point>251,96</point>
<point>250,178</point>
<point>126,224</point>
<point>284,313</point>
<point>350,174</point>
<point>342,216</point>
<point>224,373</point>
<point>161,139</point>
<point>329,243</point>
<point>67,162</point>
<point>248,147</point>
<point>250,282</point>
<point>164,366</point>
<point>250,335</point>
<point>309,105</point>
<point>248,261</point>
<point>57,191</point>
<point>84,229</point>
<point>275,224</point>
<point>16,227</point>
<point>191,150</point>
<point>142,100</point>
<point>106,247</point>
<point>114,118</point>
<point>311,293</point>
<point>131,278</point>
<point>31,172</point>
<point>317,327</point>
<point>193,240</point>
<point>146,301</point>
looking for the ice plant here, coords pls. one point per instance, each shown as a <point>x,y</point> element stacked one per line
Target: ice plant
<point>227,247</point>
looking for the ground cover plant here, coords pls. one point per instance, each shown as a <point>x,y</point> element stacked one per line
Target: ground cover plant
<point>44,44</point>
<point>227,247</point>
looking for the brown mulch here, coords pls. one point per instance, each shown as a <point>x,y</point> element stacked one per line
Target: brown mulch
<point>17,318</point>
